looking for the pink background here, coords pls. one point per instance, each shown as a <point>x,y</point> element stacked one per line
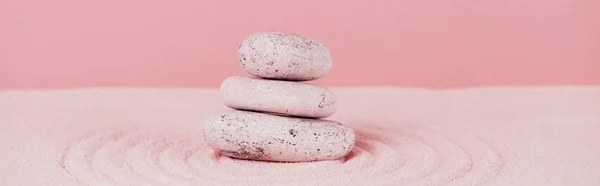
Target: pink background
<point>190,43</point>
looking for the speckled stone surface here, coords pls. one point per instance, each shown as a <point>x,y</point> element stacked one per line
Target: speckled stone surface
<point>283,97</point>
<point>258,136</point>
<point>494,136</point>
<point>277,55</point>
<point>277,115</point>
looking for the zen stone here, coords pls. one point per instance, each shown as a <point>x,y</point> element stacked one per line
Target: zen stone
<point>277,55</point>
<point>275,96</point>
<point>258,136</point>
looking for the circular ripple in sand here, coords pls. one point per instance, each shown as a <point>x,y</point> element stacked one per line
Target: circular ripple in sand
<point>411,156</point>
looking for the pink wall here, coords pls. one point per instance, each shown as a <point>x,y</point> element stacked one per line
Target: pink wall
<point>434,43</point>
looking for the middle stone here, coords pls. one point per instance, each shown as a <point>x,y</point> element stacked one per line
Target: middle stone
<point>276,96</point>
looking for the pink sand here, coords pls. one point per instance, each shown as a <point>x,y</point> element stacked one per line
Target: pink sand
<point>487,136</point>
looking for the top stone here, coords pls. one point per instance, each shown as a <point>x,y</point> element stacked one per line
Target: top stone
<point>284,56</point>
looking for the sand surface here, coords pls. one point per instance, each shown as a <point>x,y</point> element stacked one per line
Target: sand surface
<point>485,136</point>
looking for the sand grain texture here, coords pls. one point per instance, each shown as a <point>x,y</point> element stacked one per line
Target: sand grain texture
<point>485,136</point>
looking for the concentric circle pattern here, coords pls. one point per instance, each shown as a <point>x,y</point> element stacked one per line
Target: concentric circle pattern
<point>411,156</point>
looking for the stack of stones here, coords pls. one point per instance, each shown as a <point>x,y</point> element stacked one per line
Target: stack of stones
<point>276,116</point>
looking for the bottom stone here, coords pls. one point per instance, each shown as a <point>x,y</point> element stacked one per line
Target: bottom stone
<point>259,136</point>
